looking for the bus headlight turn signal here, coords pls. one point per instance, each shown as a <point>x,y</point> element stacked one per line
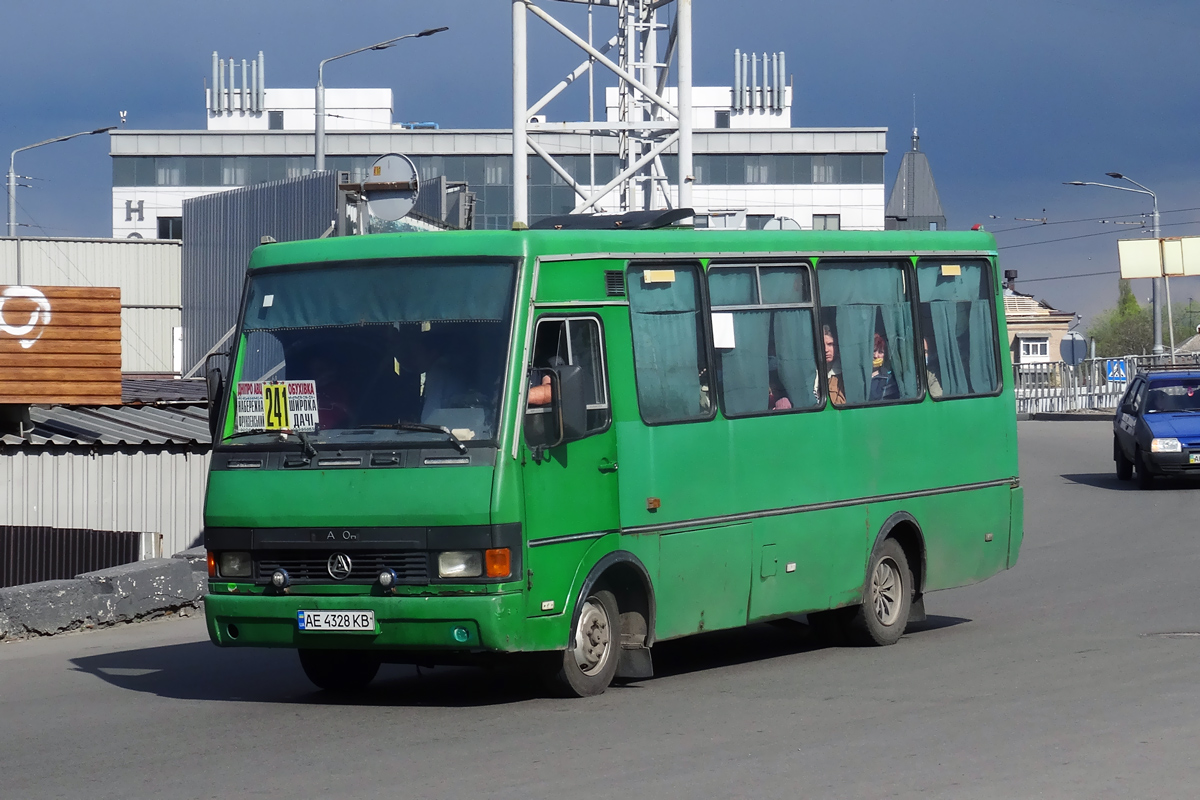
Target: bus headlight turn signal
<point>1165,446</point>
<point>235,565</point>
<point>499,562</point>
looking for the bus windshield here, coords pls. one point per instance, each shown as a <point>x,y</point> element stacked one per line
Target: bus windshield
<point>363,354</point>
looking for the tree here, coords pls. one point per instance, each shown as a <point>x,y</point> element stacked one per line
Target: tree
<point>1127,329</point>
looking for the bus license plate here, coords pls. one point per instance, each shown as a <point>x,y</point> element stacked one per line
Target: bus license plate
<point>336,621</point>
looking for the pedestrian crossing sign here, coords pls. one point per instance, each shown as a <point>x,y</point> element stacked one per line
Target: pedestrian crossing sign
<point>1115,369</point>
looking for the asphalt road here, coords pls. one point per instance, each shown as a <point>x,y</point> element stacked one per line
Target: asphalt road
<point>1050,680</point>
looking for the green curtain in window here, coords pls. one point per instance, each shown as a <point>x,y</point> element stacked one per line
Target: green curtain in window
<point>859,293</point>
<point>745,386</point>
<point>663,319</point>
<point>962,327</point>
<point>795,356</point>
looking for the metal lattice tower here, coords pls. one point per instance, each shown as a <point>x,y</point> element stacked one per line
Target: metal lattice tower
<point>647,125</point>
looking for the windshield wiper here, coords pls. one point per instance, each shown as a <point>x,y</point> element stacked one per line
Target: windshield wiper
<point>421,426</point>
<point>306,445</point>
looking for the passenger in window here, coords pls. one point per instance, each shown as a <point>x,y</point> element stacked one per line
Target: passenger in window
<point>883,382</point>
<point>931,376</point>
<point>833,369</point>
<point>777,396</point>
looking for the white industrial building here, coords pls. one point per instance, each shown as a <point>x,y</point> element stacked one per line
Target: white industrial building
<point>751,165</point>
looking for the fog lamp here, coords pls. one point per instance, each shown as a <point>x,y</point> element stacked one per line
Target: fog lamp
<point>280,579</point>
<point>1165,446</point>
<point>461,634</point>
<point>387,578</point>
<point>235,565</point>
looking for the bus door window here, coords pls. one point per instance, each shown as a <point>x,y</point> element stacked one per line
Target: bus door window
<point>763,337</point>
<point>958,328</point>
<point>559,342</point>
<point>866,312</point>
<point>670,344</point>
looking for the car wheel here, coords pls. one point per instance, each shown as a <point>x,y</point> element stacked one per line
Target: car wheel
<point>1145,479</point>
<point>887,598</point>
<point>588,668</point>
<point>339,670</point>
<point>1124,465</point>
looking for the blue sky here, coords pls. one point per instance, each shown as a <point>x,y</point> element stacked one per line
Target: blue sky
<point>1014,96</point>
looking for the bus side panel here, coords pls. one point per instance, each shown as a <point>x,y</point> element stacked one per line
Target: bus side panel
<point>826,553</point>
<point>957,527</point>
<point>703,580</point>
<point>1016,525</point>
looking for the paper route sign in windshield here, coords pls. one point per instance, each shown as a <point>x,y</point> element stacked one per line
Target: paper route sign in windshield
<point>277,406</point>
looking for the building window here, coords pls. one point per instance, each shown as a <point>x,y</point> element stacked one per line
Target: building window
<point>722,119</point>
<point>1035,350</point>
<point>170,227</point>
<point>756,222</point>
<point>275,120</point>
<point>827,222</point>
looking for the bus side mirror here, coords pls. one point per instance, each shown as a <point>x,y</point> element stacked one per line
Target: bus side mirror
<point>569,403</point>
<point>215,384</point>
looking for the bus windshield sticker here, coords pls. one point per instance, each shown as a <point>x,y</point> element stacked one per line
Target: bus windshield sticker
<point>658,276</point>
<point>951,269</point>
<point>277,406</point>
<point>722,323</point>
<point>268,300</point>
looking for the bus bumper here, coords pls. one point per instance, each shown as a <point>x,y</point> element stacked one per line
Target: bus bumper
<point>462,623</point>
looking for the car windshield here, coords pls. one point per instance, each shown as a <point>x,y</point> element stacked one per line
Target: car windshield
<point>1174,395</point>
<point>352,353</point>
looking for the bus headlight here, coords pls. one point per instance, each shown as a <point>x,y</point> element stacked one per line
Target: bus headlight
<point>460,564</point>
<point>235,565</point>
<point>1165,446</point>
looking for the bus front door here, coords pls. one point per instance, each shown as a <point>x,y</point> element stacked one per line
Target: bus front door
<point>570,489</point>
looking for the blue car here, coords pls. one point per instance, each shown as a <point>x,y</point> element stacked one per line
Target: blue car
<point>1156,430</point>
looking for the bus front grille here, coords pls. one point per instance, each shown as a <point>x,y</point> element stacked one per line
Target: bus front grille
<point>411,567</point>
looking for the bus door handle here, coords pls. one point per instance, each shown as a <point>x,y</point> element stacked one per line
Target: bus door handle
<point>607,465</point>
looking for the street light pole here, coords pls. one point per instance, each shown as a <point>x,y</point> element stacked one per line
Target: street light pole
<point>319,110</point>
<point>1155,311</point>
<point>12,173</point>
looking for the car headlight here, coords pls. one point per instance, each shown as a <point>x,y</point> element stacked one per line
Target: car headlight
<point>1165,446</point>
<point>460,564</point>
<point>234,565</point>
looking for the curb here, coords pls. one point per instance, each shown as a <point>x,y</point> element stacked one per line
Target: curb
<point>128,593</point>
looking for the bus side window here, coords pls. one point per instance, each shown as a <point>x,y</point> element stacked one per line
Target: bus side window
<point>763,338</point>
<point>571,341</point>
<point>867,322</point>
<point>670,350</point>
<point>958,327</point>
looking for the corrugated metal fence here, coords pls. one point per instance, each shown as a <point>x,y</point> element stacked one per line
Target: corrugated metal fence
<point>1043,388</point>
<point>156,490</point>
<point>30,554</point>
<point>222,230</point>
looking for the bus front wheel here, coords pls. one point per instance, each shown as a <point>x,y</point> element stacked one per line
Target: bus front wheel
<point>887,597</point>
<point>339,670</point>
<point>587,668</point>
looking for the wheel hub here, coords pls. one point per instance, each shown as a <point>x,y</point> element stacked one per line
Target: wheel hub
<point>592,640</point>
<point>885,591</point>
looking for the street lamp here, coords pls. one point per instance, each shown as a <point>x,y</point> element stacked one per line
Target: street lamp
<point>12,175</point>
<point>319,143</point>
<point>1154,304</point>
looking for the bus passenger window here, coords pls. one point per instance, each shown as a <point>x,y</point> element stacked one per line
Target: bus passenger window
<point>866,315</point>
<point>670,352</point>
<point>958,327</point>
<point>559,342</point>
<point>763,337</point>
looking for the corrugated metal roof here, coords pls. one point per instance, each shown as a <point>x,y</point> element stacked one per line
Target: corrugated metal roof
<point>120,425</point>
<point>149,391</point>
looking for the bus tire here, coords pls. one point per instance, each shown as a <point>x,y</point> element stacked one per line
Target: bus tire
<point>339,670</point>
<point>588,668</point>
<point>1124,465</point>
<point>887,597</point>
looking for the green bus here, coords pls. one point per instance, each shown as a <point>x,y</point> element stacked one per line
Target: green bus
<point>437,448</point>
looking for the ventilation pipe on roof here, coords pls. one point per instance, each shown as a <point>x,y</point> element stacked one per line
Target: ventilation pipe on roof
<point>737,80</point>
<point>768,86</point>
<point>212,88</point>
<point>262,82</point>
<point>782,79</point>
<point>254,85</point>
<point>220,86</point>
<point>229,102</point>
<point>245,90</point>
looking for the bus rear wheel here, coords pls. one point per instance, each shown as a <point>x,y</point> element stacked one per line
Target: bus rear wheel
<point>339,670</point>
<point>887,598</point>
<point>588,668</point>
